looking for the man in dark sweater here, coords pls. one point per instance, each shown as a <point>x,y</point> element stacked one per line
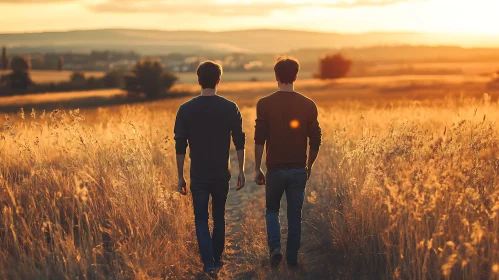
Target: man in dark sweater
<point>206,124</point>
<point>286,121</point>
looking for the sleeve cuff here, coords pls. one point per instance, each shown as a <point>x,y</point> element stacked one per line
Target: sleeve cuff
<point>180,146</point>
<point>179,151</point>
<point>315,145</point>
<point>240,142</point>
<point>260,142</point>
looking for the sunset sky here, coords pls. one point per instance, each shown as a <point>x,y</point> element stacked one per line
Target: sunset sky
<point>345,16</point>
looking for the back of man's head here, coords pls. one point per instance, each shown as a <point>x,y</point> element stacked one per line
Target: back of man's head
<point>286,69</point>
<point>209,74</point>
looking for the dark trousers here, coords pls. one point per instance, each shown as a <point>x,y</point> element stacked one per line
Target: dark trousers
<point>211,246</point>
<point>293,182</point>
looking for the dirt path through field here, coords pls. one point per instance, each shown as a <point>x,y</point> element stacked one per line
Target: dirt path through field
<point>246,255</point>
<point>238,258</point>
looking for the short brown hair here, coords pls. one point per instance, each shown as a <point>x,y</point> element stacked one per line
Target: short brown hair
<point>209,73</point>
<point>286,69</point>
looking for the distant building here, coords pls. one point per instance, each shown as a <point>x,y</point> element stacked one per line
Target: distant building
<point>253,65</point>
<point>122,65</point>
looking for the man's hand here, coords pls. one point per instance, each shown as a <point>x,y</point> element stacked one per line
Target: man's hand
<point>182,186</point>
<point>260,178</point>
<point>241,181</point>
<point>312,156</point>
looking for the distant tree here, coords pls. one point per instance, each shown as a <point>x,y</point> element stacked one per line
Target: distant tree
<point>5,59</point>
<point>19,78</point>
<point>20,64</point>
<point>60,63</point>
<point>150,78</point>
<point>113,79</point>
<point>333,67</point>
<point>78,78</point>
<point>494,83</point>
<point>4,81</point>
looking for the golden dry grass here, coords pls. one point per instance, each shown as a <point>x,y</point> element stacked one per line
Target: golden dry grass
<point>90,200</point>
<point>410,191</point>
<point>402,189</point>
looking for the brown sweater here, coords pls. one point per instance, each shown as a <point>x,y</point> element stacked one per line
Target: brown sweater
<point>285,121</point>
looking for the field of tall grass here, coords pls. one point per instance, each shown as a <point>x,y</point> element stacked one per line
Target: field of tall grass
<point>91,199</point>
<point>401,190</point>
<point>410,191</point>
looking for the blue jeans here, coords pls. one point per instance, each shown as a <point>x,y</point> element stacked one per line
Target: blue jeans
<point>293,182</point>
<point>211,246</point>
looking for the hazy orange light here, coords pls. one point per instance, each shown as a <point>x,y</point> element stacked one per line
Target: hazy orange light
<point>294,124</point>
<point>345,16</point>
<point>495,268</point>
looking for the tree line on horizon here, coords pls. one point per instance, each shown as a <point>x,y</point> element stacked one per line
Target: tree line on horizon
<point>147,77</point>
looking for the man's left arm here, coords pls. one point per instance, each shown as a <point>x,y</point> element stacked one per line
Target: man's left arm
<point>315,139</point>
<point>239,139</point>
<point>241,179</point>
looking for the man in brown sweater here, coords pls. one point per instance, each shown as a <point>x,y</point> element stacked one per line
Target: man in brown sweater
<point>286,122</point>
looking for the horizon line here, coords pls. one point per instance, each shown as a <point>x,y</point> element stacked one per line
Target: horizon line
<point>248,29</point>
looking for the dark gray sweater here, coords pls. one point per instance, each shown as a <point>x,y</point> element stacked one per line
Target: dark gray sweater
<point>206,124</point>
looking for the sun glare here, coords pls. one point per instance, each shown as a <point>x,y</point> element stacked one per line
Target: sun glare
<point>477,17</point>
<point>471,17</point>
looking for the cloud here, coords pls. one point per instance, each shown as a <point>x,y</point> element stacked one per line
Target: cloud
<point>362,3</point>
<point>242,8</point>
<point>182,6</point>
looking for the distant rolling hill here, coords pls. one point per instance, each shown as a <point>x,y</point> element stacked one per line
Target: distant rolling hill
<point>250,41</point>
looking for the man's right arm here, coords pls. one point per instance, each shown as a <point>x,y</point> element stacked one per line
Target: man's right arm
<point>181,144</point>
<point>261,131</point>
<point>182,185</point>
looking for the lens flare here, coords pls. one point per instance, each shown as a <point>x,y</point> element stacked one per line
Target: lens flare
<point>495,268</point>
<point>294,124</point>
